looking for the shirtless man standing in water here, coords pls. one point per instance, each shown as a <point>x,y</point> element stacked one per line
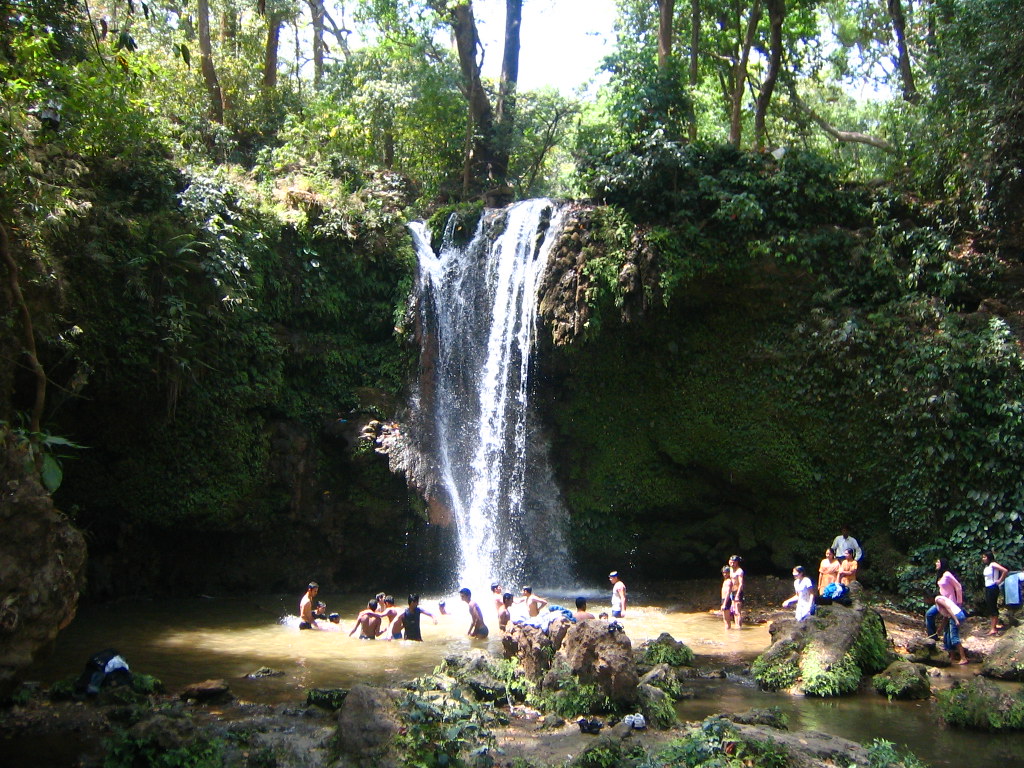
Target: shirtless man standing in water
<point>477,628</point>
<point>533,603</point>
<point>367,622</point>
<point>306,620</point>
<point>504,614</point>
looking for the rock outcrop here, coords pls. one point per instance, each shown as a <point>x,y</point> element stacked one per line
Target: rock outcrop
<point>1006,661</point>
<point>903,680</point>
<point>42,562</point>
<point>826,654</point>
<point>368,723</point>
<point>598,654</point>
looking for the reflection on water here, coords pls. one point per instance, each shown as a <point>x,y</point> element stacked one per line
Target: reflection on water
<point>187,641</point>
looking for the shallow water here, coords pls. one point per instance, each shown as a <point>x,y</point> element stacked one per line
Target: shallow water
<point>186,641</point>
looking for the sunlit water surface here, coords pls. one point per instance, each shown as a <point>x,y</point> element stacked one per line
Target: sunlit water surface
<point>186,641</point>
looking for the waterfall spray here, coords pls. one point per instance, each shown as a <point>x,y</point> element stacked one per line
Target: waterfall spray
<point>478,308</point>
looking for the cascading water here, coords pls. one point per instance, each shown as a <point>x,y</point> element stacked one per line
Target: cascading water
<point>478,306</point>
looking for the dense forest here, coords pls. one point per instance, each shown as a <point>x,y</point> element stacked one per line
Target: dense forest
<point>798,227</point>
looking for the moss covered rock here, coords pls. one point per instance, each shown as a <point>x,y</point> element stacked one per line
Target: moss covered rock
<point>980,705</point>
<point>1006,662</point>
<point>827,654</point>
<point>903,680</point>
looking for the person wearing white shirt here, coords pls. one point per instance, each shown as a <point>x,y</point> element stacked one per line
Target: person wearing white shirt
<point>845,541</point>
<point>803,594</point>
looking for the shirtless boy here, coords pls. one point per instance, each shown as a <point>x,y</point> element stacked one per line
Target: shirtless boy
<point>582,614</point>
<point>504,614</point>
<point>306,620</point>
<point>533,603</point>
<point>477,628</point>
<point>389,611</point>
<point>367,622</point>
<point>497,592</point>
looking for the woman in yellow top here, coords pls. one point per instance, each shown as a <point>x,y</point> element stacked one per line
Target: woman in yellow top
<point>848,569</point>
<point>828,570</point>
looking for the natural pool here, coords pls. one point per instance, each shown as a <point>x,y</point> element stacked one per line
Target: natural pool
<point>185,641</point>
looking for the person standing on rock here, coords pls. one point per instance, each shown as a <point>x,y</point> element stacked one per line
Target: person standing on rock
<point>477,628</point>
<point>994,575</point>
<point>845,541</point>
<point>306,620</point>
<point>618,595</point>
<point>803,594</point>
<point>738,577</point>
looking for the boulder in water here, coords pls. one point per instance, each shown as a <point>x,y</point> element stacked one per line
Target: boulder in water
<point>597,653</point>
<point>903,680</point>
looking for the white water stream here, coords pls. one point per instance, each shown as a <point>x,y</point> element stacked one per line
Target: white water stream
<point>477,300</point>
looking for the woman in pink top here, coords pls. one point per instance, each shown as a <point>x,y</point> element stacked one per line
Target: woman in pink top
<point>950,588</point>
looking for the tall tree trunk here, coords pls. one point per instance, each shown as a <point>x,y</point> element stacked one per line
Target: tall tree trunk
<point>776,17</point>
<point>14,285</point>
<point>739,79</point>
<point>270,51</point>
<point>666,12</point>
<point>506,106</point>
<point>206,63</point>
<point>695,22</point>
<point>316,12</point>
<point>467,41</point>
<point>899,28</point>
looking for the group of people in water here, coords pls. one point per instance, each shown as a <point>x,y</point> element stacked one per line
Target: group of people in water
<point>381,618</point>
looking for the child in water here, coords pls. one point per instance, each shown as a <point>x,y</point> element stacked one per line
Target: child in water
<point>727,597</point>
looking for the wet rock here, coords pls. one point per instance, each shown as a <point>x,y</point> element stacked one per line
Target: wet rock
<point>326,698</point>
<point>368,723</point>
<point>531,646</point>
<point>772,718</point>
<point>656,706</point>
<point>474,670</point>
<point>42,564</point>
<point>601,657</point>
<point>1006,661</point>
<point>903,680</point>
<point>264,672</point>
<point>166,733</point>
<point>207,692</point>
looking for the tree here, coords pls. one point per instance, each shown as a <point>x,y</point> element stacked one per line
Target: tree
<point>776,18</point>
<point>206,63</point>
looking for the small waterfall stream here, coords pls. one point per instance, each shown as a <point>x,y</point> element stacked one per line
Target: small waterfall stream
<point>477,301</point>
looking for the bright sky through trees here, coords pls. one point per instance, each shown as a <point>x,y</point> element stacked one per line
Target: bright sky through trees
<point>563,41</point>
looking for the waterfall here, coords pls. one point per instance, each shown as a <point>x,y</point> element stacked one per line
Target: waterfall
<point>477,303</point>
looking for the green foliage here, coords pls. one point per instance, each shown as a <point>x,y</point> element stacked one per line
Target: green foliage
<point>884,754</point>
<point>980,705</point>
<point>836,680</point>
<point>716,743</point>
<point>777,670</point>
<point>870,650</point>
<point>444,729</point>
<point>676,654</point>
<point>569,697</point>
<point>42,452</point>
<point>125,751</point>
<point>903,680</point>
